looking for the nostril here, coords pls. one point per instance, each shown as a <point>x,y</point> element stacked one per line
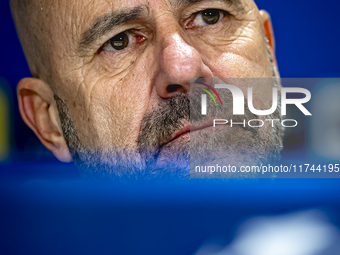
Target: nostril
<point>175,88</point>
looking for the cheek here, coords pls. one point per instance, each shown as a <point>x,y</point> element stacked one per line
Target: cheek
<point>240,60</point>
<point>244,68</point>
<point>237,52</point>
<point>243,62</point>
<point>109,110</point>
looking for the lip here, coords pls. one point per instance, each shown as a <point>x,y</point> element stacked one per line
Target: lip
<point>187,128</point>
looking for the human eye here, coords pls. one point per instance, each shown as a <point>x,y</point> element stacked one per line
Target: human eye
<point>206,17</point>
<point>122,41</point>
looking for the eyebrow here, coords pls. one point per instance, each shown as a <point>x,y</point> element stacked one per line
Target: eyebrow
<point>107,21</point>
<point>237,3</point>
<point>104,23</point>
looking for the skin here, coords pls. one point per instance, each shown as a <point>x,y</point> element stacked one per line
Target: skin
<point>108,93</point>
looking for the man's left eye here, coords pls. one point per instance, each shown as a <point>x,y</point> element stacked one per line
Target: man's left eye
<point>206,17</point>
<point>211,16</point>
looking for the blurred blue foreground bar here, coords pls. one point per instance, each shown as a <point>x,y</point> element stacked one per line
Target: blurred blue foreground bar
<point>48,209</point>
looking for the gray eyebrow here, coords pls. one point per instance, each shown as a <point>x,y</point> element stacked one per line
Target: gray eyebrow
<point>107,21</point>
<point>237,3</point>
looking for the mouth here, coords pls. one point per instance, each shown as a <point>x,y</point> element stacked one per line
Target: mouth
<point>187,128</point>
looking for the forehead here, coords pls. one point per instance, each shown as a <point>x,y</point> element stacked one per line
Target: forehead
<point>81,14</point>
<point>66,23</point>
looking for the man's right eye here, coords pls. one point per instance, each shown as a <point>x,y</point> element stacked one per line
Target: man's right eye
<point>122,41</point>
<point>117,43</point>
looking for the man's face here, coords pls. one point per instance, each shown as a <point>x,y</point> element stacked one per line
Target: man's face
<point>121,72</point>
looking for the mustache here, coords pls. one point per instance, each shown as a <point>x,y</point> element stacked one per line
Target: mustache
<point>160,123</point>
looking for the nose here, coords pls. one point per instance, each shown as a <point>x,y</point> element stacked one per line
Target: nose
<point>179,62</point>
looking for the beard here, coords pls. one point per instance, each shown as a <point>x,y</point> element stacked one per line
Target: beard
<point>125,164</point>
<point>228,145</point>
<point>238,143</point>
<point>155,157</point>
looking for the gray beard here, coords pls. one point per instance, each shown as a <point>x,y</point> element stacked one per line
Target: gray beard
<point>237,146</point>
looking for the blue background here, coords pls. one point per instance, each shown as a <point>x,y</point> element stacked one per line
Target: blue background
<point>46,208</point>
